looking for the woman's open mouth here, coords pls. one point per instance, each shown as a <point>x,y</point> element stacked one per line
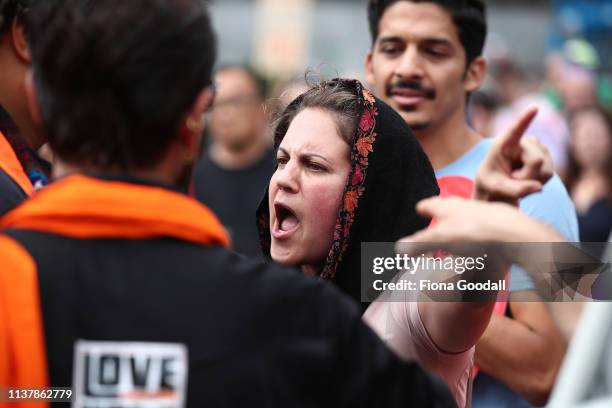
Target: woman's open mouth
<point>286,222</point>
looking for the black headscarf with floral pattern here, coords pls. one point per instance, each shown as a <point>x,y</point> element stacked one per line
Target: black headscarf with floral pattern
<point>389,174</point>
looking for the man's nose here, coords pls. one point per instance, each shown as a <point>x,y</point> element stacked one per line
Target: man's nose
<point>410,65</point>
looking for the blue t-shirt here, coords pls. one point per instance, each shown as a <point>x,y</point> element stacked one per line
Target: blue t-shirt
<point>552,206</point>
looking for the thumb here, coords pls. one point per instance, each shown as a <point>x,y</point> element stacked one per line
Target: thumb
<point>420,243</point>
<point>432,207</point>
<point>516,189</point>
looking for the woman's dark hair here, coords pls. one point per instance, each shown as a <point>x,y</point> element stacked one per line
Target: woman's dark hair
<point>573,170</point>
<point>334,97</point>
<point>116,77</point>
<point>469,17</point>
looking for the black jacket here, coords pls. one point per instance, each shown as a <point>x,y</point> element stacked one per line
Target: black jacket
<point>121,314</point>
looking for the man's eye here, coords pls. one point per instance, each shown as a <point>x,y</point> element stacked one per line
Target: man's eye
<point>281,161</point>
<point>390,50</point>
<point>435,52</point>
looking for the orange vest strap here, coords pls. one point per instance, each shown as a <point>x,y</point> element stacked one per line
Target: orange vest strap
<point>23,359</point>
<point>11,166</point>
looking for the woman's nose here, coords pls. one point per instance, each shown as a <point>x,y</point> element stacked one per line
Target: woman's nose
<point>287,178</point>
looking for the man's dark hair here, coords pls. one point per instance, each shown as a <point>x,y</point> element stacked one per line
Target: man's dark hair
<point>469,17</point>
<point>9,10</point>
<point>260,83</point>
<point>116,77</point>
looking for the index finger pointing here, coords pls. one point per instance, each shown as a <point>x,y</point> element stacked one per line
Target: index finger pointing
<point>514,134</point>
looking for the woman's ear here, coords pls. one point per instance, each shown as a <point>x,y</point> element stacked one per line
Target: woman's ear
<point>475,74</point>
<point>20,44</point>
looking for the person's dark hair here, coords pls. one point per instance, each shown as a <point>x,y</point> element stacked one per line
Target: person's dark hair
<point>573,170</point>
<point>486,100</point>
<point>334,97</point>
<point>261,85</point>
<point>11,9</point>
<point>115,77</point>
<point>469,17</point>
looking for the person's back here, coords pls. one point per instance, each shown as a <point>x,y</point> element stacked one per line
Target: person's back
<point>142,301</point>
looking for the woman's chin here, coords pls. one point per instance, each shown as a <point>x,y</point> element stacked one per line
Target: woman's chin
<point>283,257</point>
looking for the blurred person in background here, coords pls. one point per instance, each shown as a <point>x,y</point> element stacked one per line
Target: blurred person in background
<point>554,66</point>
<point>579,88</point>
<point>518,91</point>
<point>579,84</point>
<point>237,166</point>
<point>482,110</point>
<point>21,169</point>
<point>589,174</point>
<point>287,91</point>
<point>425,61</point>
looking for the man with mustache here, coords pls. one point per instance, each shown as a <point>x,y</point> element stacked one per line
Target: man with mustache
<point>425,61</point>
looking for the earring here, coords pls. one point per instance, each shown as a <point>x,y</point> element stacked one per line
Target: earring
<point>195,125</point>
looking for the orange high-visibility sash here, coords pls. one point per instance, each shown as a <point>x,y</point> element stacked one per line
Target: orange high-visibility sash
<point>11,166</point>
<point>85,207</point>
<point>81,207</point>
<point>23,361</point>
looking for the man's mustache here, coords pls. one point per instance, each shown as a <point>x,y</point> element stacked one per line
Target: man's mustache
<point>428,93</point>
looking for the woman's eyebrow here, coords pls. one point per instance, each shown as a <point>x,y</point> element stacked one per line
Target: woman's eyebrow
<point>307,155</point>
<point>311,155</point>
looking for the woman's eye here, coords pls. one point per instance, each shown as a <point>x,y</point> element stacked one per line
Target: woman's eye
<point>315,167</point>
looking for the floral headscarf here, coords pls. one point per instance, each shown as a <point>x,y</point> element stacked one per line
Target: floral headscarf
<point>389,174</point>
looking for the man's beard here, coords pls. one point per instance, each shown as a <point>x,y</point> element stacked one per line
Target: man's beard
<point>414,124</point>
<point>418,126</point>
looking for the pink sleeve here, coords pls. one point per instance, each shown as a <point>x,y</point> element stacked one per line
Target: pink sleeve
<point>396,319</point>
<point>455,369</point>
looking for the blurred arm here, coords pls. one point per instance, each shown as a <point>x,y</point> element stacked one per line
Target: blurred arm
<point>525,352</point>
